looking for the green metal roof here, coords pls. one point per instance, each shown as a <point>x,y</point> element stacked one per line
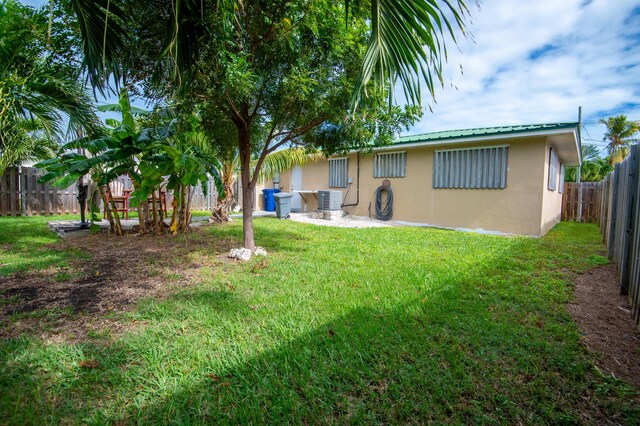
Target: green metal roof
<point>437,137</point>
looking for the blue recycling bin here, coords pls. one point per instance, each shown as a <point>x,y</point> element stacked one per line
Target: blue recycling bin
<point>269,201</point>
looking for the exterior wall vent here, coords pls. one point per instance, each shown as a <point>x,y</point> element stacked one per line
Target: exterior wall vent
<point>329,200</point>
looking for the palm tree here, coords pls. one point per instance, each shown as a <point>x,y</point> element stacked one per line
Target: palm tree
<point>34,97</point>
<point>620,134</point>
<point>407,43</point>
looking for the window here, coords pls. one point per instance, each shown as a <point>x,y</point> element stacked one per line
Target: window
<point>561,188</point>
<point>471,168</point>
<point>338,170</point>
<point>390,165</point>
<point>553,170</point>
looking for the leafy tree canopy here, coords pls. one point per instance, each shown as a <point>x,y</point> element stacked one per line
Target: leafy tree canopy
<point>594,168</point>
<point>282,73</point>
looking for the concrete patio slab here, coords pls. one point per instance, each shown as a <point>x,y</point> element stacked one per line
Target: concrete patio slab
<point>70,228</point>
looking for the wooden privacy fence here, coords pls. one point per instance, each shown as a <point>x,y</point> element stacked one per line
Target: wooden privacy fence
<point>581,202</point>
<point>21,194</point>
<point>620,224</point>
<point>199,200</point>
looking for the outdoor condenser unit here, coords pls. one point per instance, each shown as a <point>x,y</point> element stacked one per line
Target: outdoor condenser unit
<point>329,200</point>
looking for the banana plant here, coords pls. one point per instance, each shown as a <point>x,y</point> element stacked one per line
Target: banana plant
<point>191,167</point>
<point>97,158</point>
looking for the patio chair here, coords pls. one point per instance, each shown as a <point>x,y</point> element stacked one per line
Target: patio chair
<point>120,198</point>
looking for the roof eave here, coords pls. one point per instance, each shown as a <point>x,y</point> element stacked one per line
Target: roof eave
<point>577,160</point>
<point>568,148</point>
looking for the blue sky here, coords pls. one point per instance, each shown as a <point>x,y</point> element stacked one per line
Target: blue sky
<point>536,62</point>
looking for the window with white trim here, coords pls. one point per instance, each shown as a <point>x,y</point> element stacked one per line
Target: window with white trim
<point>562,172</point>
<point>390,164</point>
<point>553,170</point>
<point>338,172</point>
<point>471,168</point>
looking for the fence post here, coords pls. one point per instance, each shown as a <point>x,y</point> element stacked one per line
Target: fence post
<point>614,210</point>
<point>604,210</point>
<point>2,194</point>
<point>629,225</point>
<point>634,256</point>
<point>579,213</point>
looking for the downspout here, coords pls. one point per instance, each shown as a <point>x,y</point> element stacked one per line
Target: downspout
<point>357,185</point>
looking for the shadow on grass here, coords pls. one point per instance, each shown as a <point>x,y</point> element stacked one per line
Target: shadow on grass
<point>488,345</point>
<point>488,342</point>
<point>270,233</point>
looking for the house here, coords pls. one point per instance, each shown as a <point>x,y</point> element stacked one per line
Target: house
<point>506,179</point>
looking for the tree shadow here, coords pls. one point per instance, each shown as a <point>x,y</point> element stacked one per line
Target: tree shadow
<point>470,350</point>
<point>285,235</point>
<point>488,342</point>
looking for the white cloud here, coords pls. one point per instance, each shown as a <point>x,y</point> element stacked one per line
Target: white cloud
<point>535,62</point>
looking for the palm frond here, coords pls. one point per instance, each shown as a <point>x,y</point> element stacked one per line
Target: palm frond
<point>590,152</point>
<point>46,96</point>
<point>407,45</point>
<point>285,159</point>
<point>26,145</point>
<point>116,108</point>
<point>33,111</point>
<point>184,39</point>
<point>103,39</point>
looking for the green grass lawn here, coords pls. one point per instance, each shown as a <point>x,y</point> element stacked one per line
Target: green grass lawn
<point>27,244</point>
<point>383,325</point>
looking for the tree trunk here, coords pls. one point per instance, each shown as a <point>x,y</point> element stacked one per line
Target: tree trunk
<point>189,193</point>
<point>161,213</point>
<point>142,218</point>
<point>173,226</point>
<point>156,223</point>
<point>141,221</point>
<point>244,142</point>
<point>224,203</point>
<point>182,216</point>
<point>144,212</point>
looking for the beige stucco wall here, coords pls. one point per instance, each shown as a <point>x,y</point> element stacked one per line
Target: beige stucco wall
<point>551,200</point>
<point>525,207</point>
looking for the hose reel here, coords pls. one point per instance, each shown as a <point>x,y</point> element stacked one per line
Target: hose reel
<point>384,209</point>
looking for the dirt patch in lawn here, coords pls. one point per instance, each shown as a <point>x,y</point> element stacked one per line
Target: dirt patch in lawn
<point>605,322</point>
<point>112,274</point>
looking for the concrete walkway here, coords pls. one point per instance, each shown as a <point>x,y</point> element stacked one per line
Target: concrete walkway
<point>70,228</point>
<point>257,213</point>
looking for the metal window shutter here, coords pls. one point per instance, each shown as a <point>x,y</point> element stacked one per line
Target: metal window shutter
<point>390,165</point>
<point>471,168</point>
<point>338,171</point>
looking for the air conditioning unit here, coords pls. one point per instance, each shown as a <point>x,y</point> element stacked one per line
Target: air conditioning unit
<point>329,200</point>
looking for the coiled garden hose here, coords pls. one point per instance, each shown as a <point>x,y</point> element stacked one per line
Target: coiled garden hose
<point>384,212</point>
